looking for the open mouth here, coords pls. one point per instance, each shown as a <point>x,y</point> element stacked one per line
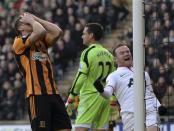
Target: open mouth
<point>127,59</point>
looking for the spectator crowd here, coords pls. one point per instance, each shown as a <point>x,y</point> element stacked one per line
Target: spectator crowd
<point>159,41</point>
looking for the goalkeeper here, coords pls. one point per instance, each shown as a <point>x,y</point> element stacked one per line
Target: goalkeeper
<point>120,82</point>
<point>95,63</point>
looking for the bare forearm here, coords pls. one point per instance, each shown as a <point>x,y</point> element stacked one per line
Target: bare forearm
<point>38,31</point>
<point>53,32</point>
<point>52,28</point>
<point>37,27</point>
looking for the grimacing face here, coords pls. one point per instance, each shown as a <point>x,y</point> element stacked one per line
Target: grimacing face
<point>123,56</point>
<point>25,29</point>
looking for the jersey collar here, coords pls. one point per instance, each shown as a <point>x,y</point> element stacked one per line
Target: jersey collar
<point>127,68</point>
<point>95,44</point>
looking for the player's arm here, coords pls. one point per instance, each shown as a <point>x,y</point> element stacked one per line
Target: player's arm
<point>109,89</point>
<point>106,92</point>
<point>38,30</point>
<point>53,31</point>
<point>149,89</point>
<point>74,91</point>
<point>77,84</point>
<point>80,77</point>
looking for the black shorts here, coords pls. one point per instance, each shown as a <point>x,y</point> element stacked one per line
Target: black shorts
<point>47,113</point>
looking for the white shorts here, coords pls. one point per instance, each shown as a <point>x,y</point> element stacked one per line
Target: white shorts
<point>152,119</point>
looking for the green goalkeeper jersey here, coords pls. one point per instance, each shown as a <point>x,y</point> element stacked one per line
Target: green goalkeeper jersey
<point>96,62</point>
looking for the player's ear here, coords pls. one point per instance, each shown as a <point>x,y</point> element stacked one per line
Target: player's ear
<point>91,35</point>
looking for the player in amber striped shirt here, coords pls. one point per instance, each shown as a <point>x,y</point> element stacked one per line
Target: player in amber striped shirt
<point>34,36</point>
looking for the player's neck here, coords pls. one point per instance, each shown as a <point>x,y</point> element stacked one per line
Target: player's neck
<point>129,67</point>
<point>93,41</point>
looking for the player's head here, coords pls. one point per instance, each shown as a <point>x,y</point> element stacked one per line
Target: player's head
<point>16,26</point>
<point>22,28</point>
<point>123,55</point>
<point>92,32</point>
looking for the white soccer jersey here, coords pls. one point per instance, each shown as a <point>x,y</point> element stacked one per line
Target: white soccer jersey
<point>121,81</point>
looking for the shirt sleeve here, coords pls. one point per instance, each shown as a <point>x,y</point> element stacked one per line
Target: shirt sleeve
<point>108,91</point>
<point>148,82</point>
<point>80,77</point>
<point>149,90</point>
<point>109,88</point>
<point>77,84</point>
<point>111,82</point>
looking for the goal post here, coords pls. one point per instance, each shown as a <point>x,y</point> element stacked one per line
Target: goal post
<point>138,63</point>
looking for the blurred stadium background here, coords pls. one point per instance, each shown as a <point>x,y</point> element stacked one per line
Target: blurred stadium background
<point>71,16</point>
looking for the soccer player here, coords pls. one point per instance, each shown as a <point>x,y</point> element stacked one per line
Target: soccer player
<point>96,63</point>
<point>120,83</point>
<point>47,111</point>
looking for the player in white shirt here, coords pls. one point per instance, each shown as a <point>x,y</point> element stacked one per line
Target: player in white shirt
<point>120,83</point>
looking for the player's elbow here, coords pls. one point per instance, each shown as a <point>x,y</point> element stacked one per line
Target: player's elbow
<point>38,30</point>
<point>58,34</point>
<point>37,35</point>
<point>43,32</point>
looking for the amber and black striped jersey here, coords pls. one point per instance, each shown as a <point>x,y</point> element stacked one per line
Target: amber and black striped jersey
<point>34,62</point>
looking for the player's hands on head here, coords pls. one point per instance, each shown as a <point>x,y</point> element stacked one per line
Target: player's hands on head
<point>31,14</point>
<point>99,87</point>
<point>27,18</point>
